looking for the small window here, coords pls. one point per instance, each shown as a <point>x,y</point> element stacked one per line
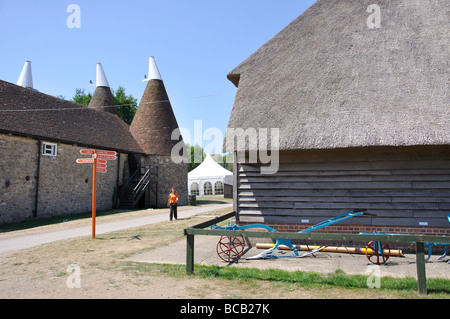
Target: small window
<point>218,188</point>
<point>49,149</point>
<point>208,188</point>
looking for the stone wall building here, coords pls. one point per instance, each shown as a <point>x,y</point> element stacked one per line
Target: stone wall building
<point>152,127</point>
<point>40,139</point>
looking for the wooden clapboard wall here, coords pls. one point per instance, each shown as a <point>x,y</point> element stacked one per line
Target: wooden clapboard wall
<point>400,186</point>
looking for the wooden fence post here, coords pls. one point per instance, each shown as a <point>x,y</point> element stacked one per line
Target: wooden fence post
<point>190,254</point>
<point>420,263</point>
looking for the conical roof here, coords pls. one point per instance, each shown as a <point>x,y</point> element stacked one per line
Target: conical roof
<point>26,76</point>
<point>209,168</point>
<point>154,121</point>
<point>153,71</point>
<point>103,98</point>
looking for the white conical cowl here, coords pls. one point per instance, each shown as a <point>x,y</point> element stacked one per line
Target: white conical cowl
<point>101,77</point>
<point>26,77</point>
<point>153,72</point>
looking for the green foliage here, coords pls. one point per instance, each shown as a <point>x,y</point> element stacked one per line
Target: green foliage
<point>81,97</point>
<point>126,104</point>
<point>197,155</point>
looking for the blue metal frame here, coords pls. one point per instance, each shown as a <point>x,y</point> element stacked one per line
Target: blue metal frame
<point>288,242</point>
<point>430,245</point>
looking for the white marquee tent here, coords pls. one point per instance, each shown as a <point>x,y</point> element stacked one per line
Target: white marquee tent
<point>209,178</point>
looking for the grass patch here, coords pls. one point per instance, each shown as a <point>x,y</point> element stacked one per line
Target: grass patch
<point>406,287</point>
<point>440,287</point>
<point>311,279</point>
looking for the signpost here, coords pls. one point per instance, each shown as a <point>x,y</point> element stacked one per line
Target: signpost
<point>99,160</point>
<point>85,160</point>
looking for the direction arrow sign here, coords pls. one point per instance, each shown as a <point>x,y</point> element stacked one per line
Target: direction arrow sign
<point>85,160</point>
<point>106,157</point>
<point>107,153</point>
<point>101,161</point>
<point>101,165</point>
<point>101,170</point>
<point>87,152</point>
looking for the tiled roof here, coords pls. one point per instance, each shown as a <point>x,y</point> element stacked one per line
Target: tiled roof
<point>27,112</point>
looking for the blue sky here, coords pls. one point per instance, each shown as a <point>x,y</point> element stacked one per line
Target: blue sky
<point>195,43</point>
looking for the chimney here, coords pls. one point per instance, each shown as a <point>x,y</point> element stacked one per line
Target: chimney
<point>26,77</point>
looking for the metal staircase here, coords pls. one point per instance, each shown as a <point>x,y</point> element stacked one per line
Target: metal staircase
<point>134,189</point>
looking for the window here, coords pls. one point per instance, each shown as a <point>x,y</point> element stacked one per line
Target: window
<point>194,189</point>
<point>49,149</point>
<point>208,188</point>
<point>218,188</point>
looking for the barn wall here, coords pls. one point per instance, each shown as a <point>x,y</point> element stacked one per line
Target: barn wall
<point>399,186</point>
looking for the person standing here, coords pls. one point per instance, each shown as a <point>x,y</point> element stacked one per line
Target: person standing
<point>172,203</point>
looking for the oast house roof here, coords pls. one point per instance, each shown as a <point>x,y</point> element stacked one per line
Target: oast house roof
<point>30,113</point>
<point>332,80</point>
<point>154,121</point>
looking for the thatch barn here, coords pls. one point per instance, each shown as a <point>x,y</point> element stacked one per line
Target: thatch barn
<point>361,97</point>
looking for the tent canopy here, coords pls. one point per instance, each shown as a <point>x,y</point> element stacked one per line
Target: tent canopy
<point>209,169</point>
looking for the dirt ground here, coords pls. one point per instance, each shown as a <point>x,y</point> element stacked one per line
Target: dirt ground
<point>97,268</point>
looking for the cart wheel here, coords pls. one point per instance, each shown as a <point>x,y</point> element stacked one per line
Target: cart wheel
<point>375,254</point>
<point>230,249</point>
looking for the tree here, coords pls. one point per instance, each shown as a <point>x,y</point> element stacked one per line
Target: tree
<point>81,97</point>
<point>126,104</point>
<point>195,154</point>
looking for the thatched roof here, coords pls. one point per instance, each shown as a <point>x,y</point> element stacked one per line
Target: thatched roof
<point>329,81</point>
<point>154,120</point>
<point>29,113</point>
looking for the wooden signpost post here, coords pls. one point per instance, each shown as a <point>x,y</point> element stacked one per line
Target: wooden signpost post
<point>99,160</point>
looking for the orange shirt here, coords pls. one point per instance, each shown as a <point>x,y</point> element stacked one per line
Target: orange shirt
<point>173,198</point>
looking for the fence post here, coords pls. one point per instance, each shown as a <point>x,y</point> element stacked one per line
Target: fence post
<point>420,263</point>
<point>190,254</point>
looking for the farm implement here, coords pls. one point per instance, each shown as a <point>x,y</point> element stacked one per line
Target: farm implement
<point>379,252</point>
<point>231,248</point>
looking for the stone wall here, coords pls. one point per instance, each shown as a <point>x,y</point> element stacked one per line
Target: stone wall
<point>169,175</point>
<point>65,187</point>
<point>18,171</point>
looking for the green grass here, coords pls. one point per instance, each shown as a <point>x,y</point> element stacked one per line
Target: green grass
<point>337,279</point>
<point>440,288</point>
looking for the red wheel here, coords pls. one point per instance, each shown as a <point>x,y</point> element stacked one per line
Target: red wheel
<point>378,252</point>
<point>230,249</point>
